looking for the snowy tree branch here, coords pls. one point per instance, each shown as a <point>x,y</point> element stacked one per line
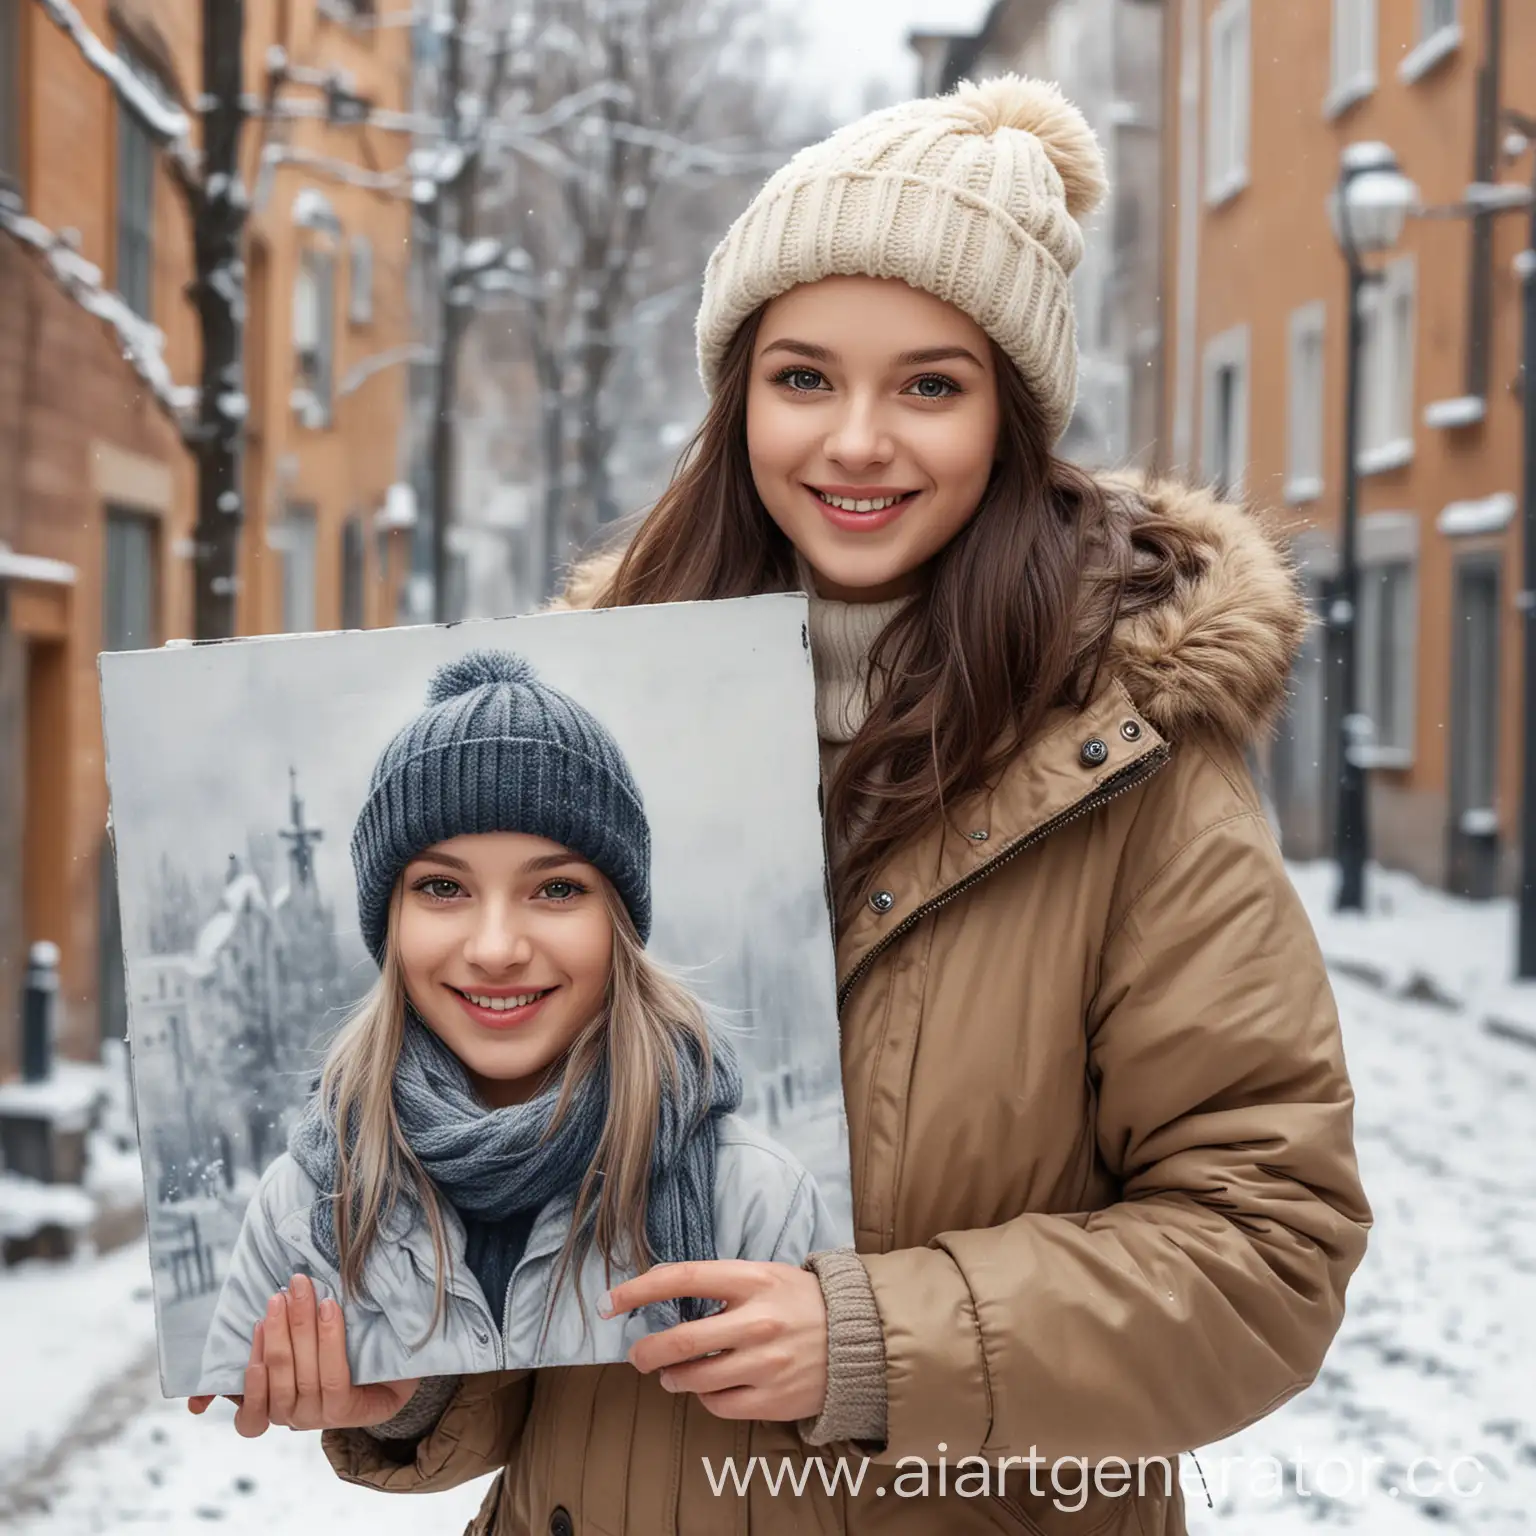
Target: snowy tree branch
<point>690,156</point>
<point>396,183</point>
<point>142,345</point>
<point>360,373</point>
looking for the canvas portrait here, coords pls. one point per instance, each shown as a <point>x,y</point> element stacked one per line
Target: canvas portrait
<point>472,969</point>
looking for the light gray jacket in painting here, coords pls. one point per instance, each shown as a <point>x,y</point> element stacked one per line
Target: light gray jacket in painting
<point>767,1207</point>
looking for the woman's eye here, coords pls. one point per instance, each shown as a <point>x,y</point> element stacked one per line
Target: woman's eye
<point>439,888</point>
<point>802,379</point>
<point>562,890</point>
<point>934,386</point>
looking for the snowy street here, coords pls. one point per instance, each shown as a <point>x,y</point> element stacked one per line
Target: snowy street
<point>1430,1387</point>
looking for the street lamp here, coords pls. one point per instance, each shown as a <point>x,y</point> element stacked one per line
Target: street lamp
<point>1367,209</point>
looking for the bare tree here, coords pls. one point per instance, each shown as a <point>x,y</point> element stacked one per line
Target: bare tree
<point>581,141</point>
<point>607,218</point>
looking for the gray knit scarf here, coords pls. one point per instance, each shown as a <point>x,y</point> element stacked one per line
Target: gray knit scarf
<point>491,1164</point>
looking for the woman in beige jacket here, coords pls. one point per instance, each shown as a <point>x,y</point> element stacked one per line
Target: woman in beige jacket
<point>1105,1190</point>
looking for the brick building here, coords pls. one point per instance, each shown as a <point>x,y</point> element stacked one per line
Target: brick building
<point>96,489</point>
<point>1260,101</point>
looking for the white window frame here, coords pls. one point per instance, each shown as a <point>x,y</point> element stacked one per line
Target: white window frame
<point>1387,362</point>
<point>296,539</point>
<point>1354,44</point>
<point>1440,36</point>
<point>135,178</point>
<point>1229,350</point>
<point>1306,383</point>
<point>1388,542</point>
<point>1229,100</point>
<point>314,336</point>
<point>360,280</point>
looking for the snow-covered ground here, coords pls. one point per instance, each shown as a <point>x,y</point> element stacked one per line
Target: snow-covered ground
<point>1423,1418</point>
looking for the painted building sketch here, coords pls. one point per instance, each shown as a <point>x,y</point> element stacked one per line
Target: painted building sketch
<point>536,910</point>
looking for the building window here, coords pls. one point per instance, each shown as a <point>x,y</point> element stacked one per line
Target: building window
<point>1436,16</point>
<point>294,539</point>
<point>354,563</point>
<point>1228,102</point>
<point>10,92</point>
<point>1477,673</point>
<point>1386,658</point>
<point>1225,417</point>
<point>1304,418</point>
<point>1386,636</point>
<point>1354,53</point>
<point>314,309</point>
<point>130,584</point>
<point>360,283</point>
<point>1387,311</point>
<point>1439,38</point>
<point>135,203</point>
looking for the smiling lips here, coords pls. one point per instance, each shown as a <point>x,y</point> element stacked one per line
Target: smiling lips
<point>502,1010</point>
<point>861,509</point>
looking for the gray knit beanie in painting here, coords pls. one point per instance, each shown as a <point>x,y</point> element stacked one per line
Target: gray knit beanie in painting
<point>496,750</point>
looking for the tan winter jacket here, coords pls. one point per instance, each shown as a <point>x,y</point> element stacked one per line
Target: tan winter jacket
<point>1104,1183</point>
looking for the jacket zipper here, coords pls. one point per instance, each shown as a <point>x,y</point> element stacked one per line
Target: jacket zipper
<point>1128,777</point>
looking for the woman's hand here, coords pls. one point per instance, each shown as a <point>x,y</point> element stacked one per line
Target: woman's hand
<point>767,1352</point>
<point>298,1373</point>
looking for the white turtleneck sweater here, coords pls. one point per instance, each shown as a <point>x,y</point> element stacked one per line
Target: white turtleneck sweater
<point>841,637</point>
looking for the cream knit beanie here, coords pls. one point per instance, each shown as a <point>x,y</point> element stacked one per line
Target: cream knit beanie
<point>974,197</point>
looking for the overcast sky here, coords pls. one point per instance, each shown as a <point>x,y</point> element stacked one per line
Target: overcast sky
<point>853,43</point>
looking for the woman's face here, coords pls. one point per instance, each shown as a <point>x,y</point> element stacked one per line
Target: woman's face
<point>506,944</point>
<point>872,422</point>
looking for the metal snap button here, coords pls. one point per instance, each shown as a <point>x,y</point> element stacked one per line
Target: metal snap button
<point>482,1338</point>
<point>560,1522</point>
<point>980,835</point>
<point>882,901</point>
<point>1094,752</point>
<point>1131,730</point>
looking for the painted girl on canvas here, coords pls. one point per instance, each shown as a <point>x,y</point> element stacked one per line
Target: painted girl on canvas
<point>525,1109</point>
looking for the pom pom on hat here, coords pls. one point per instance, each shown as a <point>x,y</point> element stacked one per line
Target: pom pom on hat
<point>477,669</point>
<point>1038,107</point>
<point>934,192</point>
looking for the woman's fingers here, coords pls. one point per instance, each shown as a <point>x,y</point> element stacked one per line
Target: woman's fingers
<point>282,1393</point>
<point>306,1353</point>
<point>198,1404</point>
<point>335,1373</point>
<point>718,1373</point>
<point>251,1418</point>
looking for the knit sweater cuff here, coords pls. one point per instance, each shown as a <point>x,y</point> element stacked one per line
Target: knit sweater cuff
<point>856,1404</point>
<point>420,1412</point>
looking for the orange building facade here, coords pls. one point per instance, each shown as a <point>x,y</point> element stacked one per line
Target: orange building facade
<point>1260,102</point>
<point>97,491</point>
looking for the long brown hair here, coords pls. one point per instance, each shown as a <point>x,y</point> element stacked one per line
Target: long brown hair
<point>1014,618</point>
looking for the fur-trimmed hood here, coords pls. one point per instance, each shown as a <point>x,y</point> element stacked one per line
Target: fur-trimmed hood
<point>1215,657</point>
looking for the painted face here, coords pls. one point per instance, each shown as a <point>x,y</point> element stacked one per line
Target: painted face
<point>506,944</point>
<point>872,421</point>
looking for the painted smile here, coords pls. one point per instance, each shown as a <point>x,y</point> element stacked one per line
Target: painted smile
<point>502,1010</point>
